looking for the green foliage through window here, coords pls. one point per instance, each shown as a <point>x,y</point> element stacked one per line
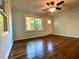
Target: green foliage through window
<point>1,24</point>
<point>33,23</point>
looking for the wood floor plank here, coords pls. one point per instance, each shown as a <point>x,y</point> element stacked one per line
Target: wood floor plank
<point>47,47</point>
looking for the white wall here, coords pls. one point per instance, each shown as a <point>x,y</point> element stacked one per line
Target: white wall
<point>0,2</point>
<point>67,24</point>
<point>19,26</point>
<point>6,38</point>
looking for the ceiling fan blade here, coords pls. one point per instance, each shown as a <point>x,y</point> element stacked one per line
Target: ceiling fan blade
<point>58,8</point>
<point>48,4</point>
<point>61,2</point>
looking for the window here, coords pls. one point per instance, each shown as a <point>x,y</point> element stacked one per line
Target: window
<point>33,24</point>
<point>3,22</point>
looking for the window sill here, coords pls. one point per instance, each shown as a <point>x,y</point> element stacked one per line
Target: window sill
<point>34,30</point>
<point>5,33</point>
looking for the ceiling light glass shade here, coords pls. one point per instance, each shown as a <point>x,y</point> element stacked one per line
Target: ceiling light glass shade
<point>52,9</point>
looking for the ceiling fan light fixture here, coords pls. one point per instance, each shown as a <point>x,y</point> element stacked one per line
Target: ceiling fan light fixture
<point>52,9</point>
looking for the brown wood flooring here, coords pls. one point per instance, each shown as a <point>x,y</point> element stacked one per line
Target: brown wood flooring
<point>47,47</point>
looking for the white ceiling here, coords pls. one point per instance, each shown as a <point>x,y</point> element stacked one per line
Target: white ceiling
<point>37,6</point>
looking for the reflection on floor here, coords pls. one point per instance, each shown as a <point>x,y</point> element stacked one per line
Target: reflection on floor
<point>47,47</point>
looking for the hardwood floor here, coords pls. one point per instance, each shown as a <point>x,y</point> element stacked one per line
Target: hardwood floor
<point>47,47</point>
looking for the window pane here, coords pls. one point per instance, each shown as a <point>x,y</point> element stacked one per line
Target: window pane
<point>30,23</point>
<point>1,24</point>
<point>38,24</point>
<point>33,23</point>
<point>5,24</point>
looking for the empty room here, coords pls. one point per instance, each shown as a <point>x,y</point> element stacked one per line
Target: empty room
<point>39,29</point>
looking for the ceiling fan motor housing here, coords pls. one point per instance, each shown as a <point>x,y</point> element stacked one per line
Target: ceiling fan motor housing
<point>51,3</point>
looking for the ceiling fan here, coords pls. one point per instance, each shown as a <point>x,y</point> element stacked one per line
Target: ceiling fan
<point>53,6</point>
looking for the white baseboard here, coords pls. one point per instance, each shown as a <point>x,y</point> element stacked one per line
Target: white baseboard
<point>8,52</point>
<point>30,37</point>
<point>66,35</point>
